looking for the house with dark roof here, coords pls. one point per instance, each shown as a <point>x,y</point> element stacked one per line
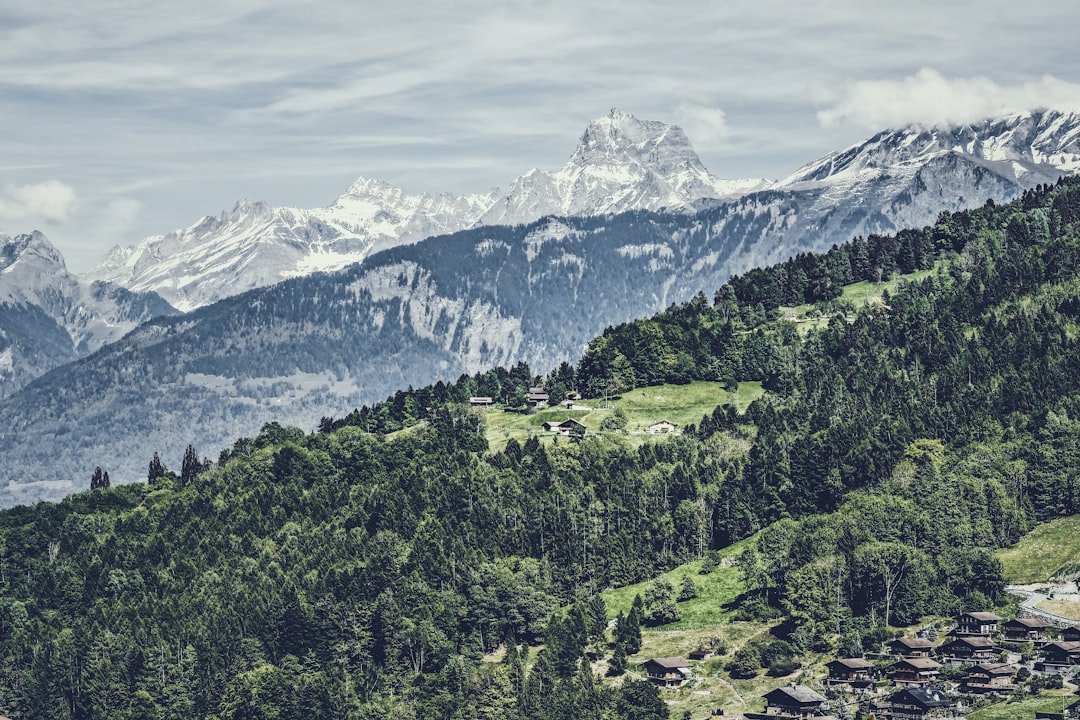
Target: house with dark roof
<point>796,701</point>
<point>538,397</point>
<point>990,677</point>
<point>667,672</point>
<point>1071,634</point>
<point>700,654</point>
<point>1059,657</point>
<point>976,623</point>
<point>920,703</point>
<point>569,427</point>
<point>854,672</point>
<point>911,647</point>
<point>970,649</point>
<point>1025,630</point>
<point>915,671</point>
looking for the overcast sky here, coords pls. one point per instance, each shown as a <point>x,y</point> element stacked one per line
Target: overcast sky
<point>124,118</point>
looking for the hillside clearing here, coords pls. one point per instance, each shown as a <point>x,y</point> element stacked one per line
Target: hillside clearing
<point>1050,550</point>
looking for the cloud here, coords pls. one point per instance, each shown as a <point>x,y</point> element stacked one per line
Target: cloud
<point>51,201</point>
<point>705,126</point>
<point>930,98</point>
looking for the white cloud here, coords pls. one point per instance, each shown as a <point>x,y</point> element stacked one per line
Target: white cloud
<point>930,98</point>
<point>705,126</point>
<point>51,201</point>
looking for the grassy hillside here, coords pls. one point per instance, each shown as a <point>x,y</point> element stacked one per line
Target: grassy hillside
<point>681,404</point>
<point>1025,708</point>
<point>1049,550</point>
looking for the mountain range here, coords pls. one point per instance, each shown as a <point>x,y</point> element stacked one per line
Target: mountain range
<point>323,343</point>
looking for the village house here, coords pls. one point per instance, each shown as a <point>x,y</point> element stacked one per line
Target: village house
<point>1025,630</point>
<point>1058,657</point>
<point>990,677</point>
<point>910,647</point>
<point>1071,634</point>
<point>481,401</point>
<point>855,672</point>
<point>794,701</point>
<point>667,672</point>
<point>538,397</point>
<point>918,703</point>
<point>700,654</point>
<point>567,427</point>
<point>661,427</point>
<point>915,671</point>
<point>970,649</point>
<point>976,623</point>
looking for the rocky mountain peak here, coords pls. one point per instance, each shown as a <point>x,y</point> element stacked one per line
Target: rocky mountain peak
<point>31,248</point>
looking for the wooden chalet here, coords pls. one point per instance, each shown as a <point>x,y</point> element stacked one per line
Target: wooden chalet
<point>481,401</point>
<point>1025,630</point>
<point>1060,656</point>
<point>855,672</point>
<point>920,703</point>
<point>990,677</point>
<point>970,649</point>
<point>912,672</point>
<point>1071,634</point>
<point>976,623</point>
<point>700,654</point>
<point>911,647</point>
<point>538,397</point>
<point>794,701</point>
<point>667,672</point>
<point>569,427</point>
<point>661,427</point>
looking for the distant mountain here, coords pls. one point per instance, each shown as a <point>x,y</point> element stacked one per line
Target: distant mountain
<point>49,317</point>
<point>414,314</point>
<point>621,164</point>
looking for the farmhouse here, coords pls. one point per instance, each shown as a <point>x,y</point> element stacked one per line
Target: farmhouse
<point>567,427</point>
<point>977,623</point>
<point>1025,629</point>
<point>919,703</point>
<point>538,397</point>
<point>796,701</point>
<point>1059,656</point>
<point>854,672</point>
<point>915,671</point>
<point>667,672</point>
<point>661,427</point>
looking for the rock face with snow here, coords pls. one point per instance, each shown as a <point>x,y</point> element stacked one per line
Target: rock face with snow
<point>49,317</point>
<point>621,163</point>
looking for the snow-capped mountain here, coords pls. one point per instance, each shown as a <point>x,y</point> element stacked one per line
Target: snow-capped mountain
<point>621,163</point>
<point>49,317</point>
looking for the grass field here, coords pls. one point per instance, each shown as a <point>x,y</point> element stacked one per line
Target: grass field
<point>681,404</point>
<point>1062,607</point>
<point>1025,709</point>
<point>715,592</point>
<point>1046,551</point>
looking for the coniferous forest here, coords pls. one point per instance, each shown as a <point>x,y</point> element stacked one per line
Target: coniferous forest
<point>365,570</point>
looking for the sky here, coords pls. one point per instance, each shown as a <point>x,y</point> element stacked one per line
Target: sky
<point>121,119</point>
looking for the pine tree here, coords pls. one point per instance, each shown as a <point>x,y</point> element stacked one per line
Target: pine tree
<point>156,470</point>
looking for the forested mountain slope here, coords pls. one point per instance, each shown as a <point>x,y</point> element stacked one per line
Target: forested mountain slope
<point>352,574</point>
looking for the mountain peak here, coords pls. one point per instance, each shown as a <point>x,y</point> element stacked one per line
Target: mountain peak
<point>619,136</point>
<point>32,247</point>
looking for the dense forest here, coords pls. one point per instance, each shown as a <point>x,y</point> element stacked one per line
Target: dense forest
<point>366,570</point>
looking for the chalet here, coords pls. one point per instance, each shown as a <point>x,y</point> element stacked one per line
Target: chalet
<point>481,401</point>
<point>700,654</point>
<point>915,671</point>
<point>1025,629</point>
<point>667,672</point>
<point>990,677</point>
<point>661,427</point>
<point>855,672</point>
<point>1071,634</point>
<point>976,623</point>
<point>567,427</point>
<point>796,701</point>
<point>538,397</point>
<point>970,649</point>
<point>920,703</point>
<point>911,647</point>
<point>1059,656</point>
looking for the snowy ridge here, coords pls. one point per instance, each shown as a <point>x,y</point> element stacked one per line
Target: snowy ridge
<point>621,163</point>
